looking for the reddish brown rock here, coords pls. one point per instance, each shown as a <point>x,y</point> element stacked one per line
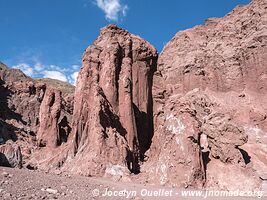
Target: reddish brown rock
<point>193,132</point>
<point>210,83</point>
<point>208,116</point>
<point>10,155</point>
<point>48,133</point>
<point>225,57</point>
<point>23,111</point>
<point>55,117</point>
<point>112,119</point>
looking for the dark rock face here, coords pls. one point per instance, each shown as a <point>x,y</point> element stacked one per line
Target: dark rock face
<point>112,119</point>
<point>210,86</point>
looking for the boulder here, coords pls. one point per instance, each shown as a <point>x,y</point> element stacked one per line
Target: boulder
<point>10,155</point>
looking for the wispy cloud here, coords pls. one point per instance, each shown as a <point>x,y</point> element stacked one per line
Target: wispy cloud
<point>27,69</point>
<point>73,78</point>
<point>39,70</point>
<point>55,75</point>
<point>113,9</point>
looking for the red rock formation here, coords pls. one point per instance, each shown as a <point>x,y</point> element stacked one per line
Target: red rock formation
<point>10,155</point>
<point>209,108</point>
<point>210,80</point>
<point>48,133</point>
<point>23,111</point>
<point>111,123</point>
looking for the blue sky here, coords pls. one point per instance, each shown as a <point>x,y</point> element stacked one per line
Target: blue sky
<point>46,38</point>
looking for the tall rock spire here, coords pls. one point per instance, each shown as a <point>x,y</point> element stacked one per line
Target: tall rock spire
<point>112,119</point>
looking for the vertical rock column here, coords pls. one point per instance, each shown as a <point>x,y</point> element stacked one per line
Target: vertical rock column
<point>126,107</point>
<point>109,100</point>
<point>48,133</point>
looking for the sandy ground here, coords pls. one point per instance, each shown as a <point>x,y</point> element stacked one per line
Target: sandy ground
<point>23,184</point>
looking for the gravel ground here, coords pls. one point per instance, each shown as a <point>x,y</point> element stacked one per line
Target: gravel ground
<point>20,184</point>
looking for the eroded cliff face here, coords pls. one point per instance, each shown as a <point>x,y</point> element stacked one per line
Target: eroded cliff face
<point>194,117</point>
<point>112,119</point>
<point>55,118</point>
<point>209,95</point>
<point>27,120</point>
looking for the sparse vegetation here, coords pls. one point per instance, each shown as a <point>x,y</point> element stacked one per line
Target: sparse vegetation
<point>3,66</point>
<point>60,85</point>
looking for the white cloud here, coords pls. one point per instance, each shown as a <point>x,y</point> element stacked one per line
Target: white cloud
<point>39,70</point>
<point>25,68</point>
<point>73,78</point>
<point>57,68</point>
<point>55,75</point>
<point>75,67</point>
<point>112,8</point>
<point>38,67</point>
<point>124,10</point>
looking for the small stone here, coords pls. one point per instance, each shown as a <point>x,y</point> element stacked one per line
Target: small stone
<point>58,172</point>
<point>6,195</point>
<point>263,176</point>
<point>5,174</point>
<point>51,191</point>
<point>63,187</point>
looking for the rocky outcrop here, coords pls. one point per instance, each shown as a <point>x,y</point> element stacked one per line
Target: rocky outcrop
<point>24,118</point>
<point>193,131</point>
<point>210,85</point>
<point>112,119</point>
<point>10,155</point>
<point>224,57</point>
<point>195,117</point>
<point>48,133</point>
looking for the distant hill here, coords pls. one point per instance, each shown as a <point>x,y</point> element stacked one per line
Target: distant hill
<point>60,85</point>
